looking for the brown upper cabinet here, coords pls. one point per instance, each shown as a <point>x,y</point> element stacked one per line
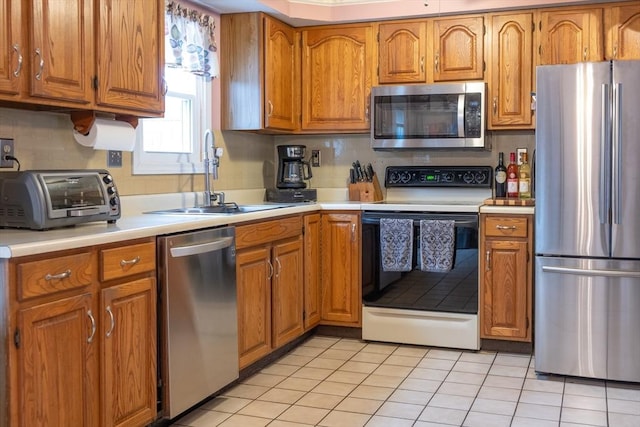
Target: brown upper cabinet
<point>570,35</point>
<point>457,48</point>
<point>510,71</point>
<point>260,73</point>
<point>402,48</point>
<point>622,24</point>
<point>104,55</point>
<point>337,62</point>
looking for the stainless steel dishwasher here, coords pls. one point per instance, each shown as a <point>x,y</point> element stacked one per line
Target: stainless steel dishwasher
<point>199,331</point>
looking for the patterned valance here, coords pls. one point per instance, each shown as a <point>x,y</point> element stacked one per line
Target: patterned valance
<point>190,40</point>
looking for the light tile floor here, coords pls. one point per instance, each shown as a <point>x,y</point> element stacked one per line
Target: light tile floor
<point>330,381</point>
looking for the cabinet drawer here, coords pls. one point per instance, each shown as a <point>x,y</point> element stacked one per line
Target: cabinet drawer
<point>127,260</point>
<point>267,231</point>
<point>43,277</point>
<point>501,226</point>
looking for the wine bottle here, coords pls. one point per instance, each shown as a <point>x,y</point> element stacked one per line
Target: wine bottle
<point>512,177</point>
<point>501,177</point>
<point>524,178</point>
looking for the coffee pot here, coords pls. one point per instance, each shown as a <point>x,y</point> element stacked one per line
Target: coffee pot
<point>293,170</point>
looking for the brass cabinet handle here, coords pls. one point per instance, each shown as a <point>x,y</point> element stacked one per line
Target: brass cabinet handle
<point>279,270</point>
<point>584,54</point>
<point>113,321</point>
<point>615,50</point>
<point>437,62</point>
<point>506,227</point>
<point>270,270</point>
<point>133,261</point>
<point>488,261</point>
<point>353,232</point>
<point>60,276</point>
<point>422,64</point>
<point>16,49</point>
<point>93,326</point>
<point>41,64</point>
<point>495,105</point>
<point>270,108</point>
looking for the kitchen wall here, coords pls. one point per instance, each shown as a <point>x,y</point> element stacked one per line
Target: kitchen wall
<point>45,140</point>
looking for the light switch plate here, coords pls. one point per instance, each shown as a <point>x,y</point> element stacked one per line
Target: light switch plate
<point>114,159</point>
<point>315,158</point>
<point>6,149</point>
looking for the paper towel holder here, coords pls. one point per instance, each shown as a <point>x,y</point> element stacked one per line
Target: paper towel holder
<point>83,120</point>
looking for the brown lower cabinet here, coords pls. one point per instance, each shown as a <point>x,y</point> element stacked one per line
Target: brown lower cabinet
<point>506,275</point>
<point>84,349</point>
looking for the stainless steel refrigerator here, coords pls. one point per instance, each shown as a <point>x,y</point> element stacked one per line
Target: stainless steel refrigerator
<point>587,237</point>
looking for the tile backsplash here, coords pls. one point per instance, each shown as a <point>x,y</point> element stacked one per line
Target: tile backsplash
<point>45,140</point>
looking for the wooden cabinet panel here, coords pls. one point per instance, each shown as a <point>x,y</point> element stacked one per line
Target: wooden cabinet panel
<point>336,77</point>
<point>341,269</point>
<point>119,262</point>
<point>12,48</point>
<point>312,263</point>
<point>622,24</point>
<point>267,231</point>
<point>401,52</point>
<point>253,279</point>
<point>281,75</point>
<point>505,292</point>
<point>62,50</point>
<point>568,36</point>
<point>457,50</point>
<point>130,54</point>
<point>57,364</point>
<point>287,291</point>
<point>55,274</point>
<point>510,71</point>
<point>506,277</point>
<point>129,349</point>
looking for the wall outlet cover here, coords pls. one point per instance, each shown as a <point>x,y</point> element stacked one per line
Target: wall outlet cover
<point>6,149</point>
<point>315,158</point>
<point>114,159</point>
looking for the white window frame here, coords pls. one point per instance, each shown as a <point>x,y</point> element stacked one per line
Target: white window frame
<point>152,163</point>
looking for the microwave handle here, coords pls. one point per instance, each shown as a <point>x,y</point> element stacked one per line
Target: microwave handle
<point>84,212</point>
<point>461,115</point>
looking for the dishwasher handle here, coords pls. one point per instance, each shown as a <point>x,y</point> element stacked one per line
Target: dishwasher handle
<point>202,248</point>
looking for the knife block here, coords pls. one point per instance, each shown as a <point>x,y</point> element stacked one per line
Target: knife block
<point>366,191</point>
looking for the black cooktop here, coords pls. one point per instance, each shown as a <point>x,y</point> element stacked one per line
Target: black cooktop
<point>438,176</point>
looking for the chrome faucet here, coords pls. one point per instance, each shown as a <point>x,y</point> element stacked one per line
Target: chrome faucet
<point>211,170</point>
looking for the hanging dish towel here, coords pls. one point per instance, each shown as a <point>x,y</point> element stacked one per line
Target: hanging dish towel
<point>396,244</point>
<point>437,245</point>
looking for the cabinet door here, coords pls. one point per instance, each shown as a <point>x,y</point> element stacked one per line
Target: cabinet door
<point>622,24</point>
<point>130,54</point>
<point>287,291</point>
<point>61,51</point>
<point>457,49</point>
<point>12,48</point>
<point>336,77</point>
<point>570,36</point>
<point>253,278</point>
<point>129,347</point>
<point>312,262</point>
<point>281,75</point>
<point>401,52</point>
<point>341,269</point>
<point>57,364</point>
<point>510,71</point>
<point>505,290</point>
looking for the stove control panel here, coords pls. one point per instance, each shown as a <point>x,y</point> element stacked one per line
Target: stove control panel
<point>445,176</point>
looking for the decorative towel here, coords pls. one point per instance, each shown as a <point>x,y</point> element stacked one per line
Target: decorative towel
<point>437,243</point>
<point>396,244</point>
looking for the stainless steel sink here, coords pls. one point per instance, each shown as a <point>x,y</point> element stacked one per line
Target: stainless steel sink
<point>227,209</point>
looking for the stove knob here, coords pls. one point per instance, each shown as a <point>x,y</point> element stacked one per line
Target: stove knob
<point>468,177</point>
<point>481,178</point>
<point>405,177</point>
<point>447,177</point>
<point>393,177</point>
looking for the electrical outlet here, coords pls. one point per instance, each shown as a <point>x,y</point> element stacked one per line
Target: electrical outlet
<point>315,158</point>
<point>6,149</point>
<point>114,159</point>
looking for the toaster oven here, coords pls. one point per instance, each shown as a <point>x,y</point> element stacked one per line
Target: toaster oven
<point>45,199</point>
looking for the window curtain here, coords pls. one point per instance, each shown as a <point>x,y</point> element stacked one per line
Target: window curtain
<point>189,41</point>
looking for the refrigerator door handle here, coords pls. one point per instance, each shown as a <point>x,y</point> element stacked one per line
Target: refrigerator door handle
<point>616,192</point>
<point>605,172</point>
<point>590,272</point>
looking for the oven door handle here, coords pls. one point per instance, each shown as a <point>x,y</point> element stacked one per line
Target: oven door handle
<point>457,223</point>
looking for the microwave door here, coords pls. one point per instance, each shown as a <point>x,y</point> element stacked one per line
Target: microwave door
<point>461,116</point>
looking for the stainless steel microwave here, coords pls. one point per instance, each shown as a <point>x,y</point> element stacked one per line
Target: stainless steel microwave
<point>439,115</point>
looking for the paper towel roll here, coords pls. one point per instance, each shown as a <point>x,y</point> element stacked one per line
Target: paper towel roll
<point>108,135</point>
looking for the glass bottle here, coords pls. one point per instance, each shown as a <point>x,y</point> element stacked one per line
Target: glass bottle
<point>512,177</point>
<point>524,178</point>
<point>500,177</point>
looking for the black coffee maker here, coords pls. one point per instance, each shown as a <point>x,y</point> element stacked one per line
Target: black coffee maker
<point>293,170</point>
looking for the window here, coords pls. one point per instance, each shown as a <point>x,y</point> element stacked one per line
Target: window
<point>171,145</point>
